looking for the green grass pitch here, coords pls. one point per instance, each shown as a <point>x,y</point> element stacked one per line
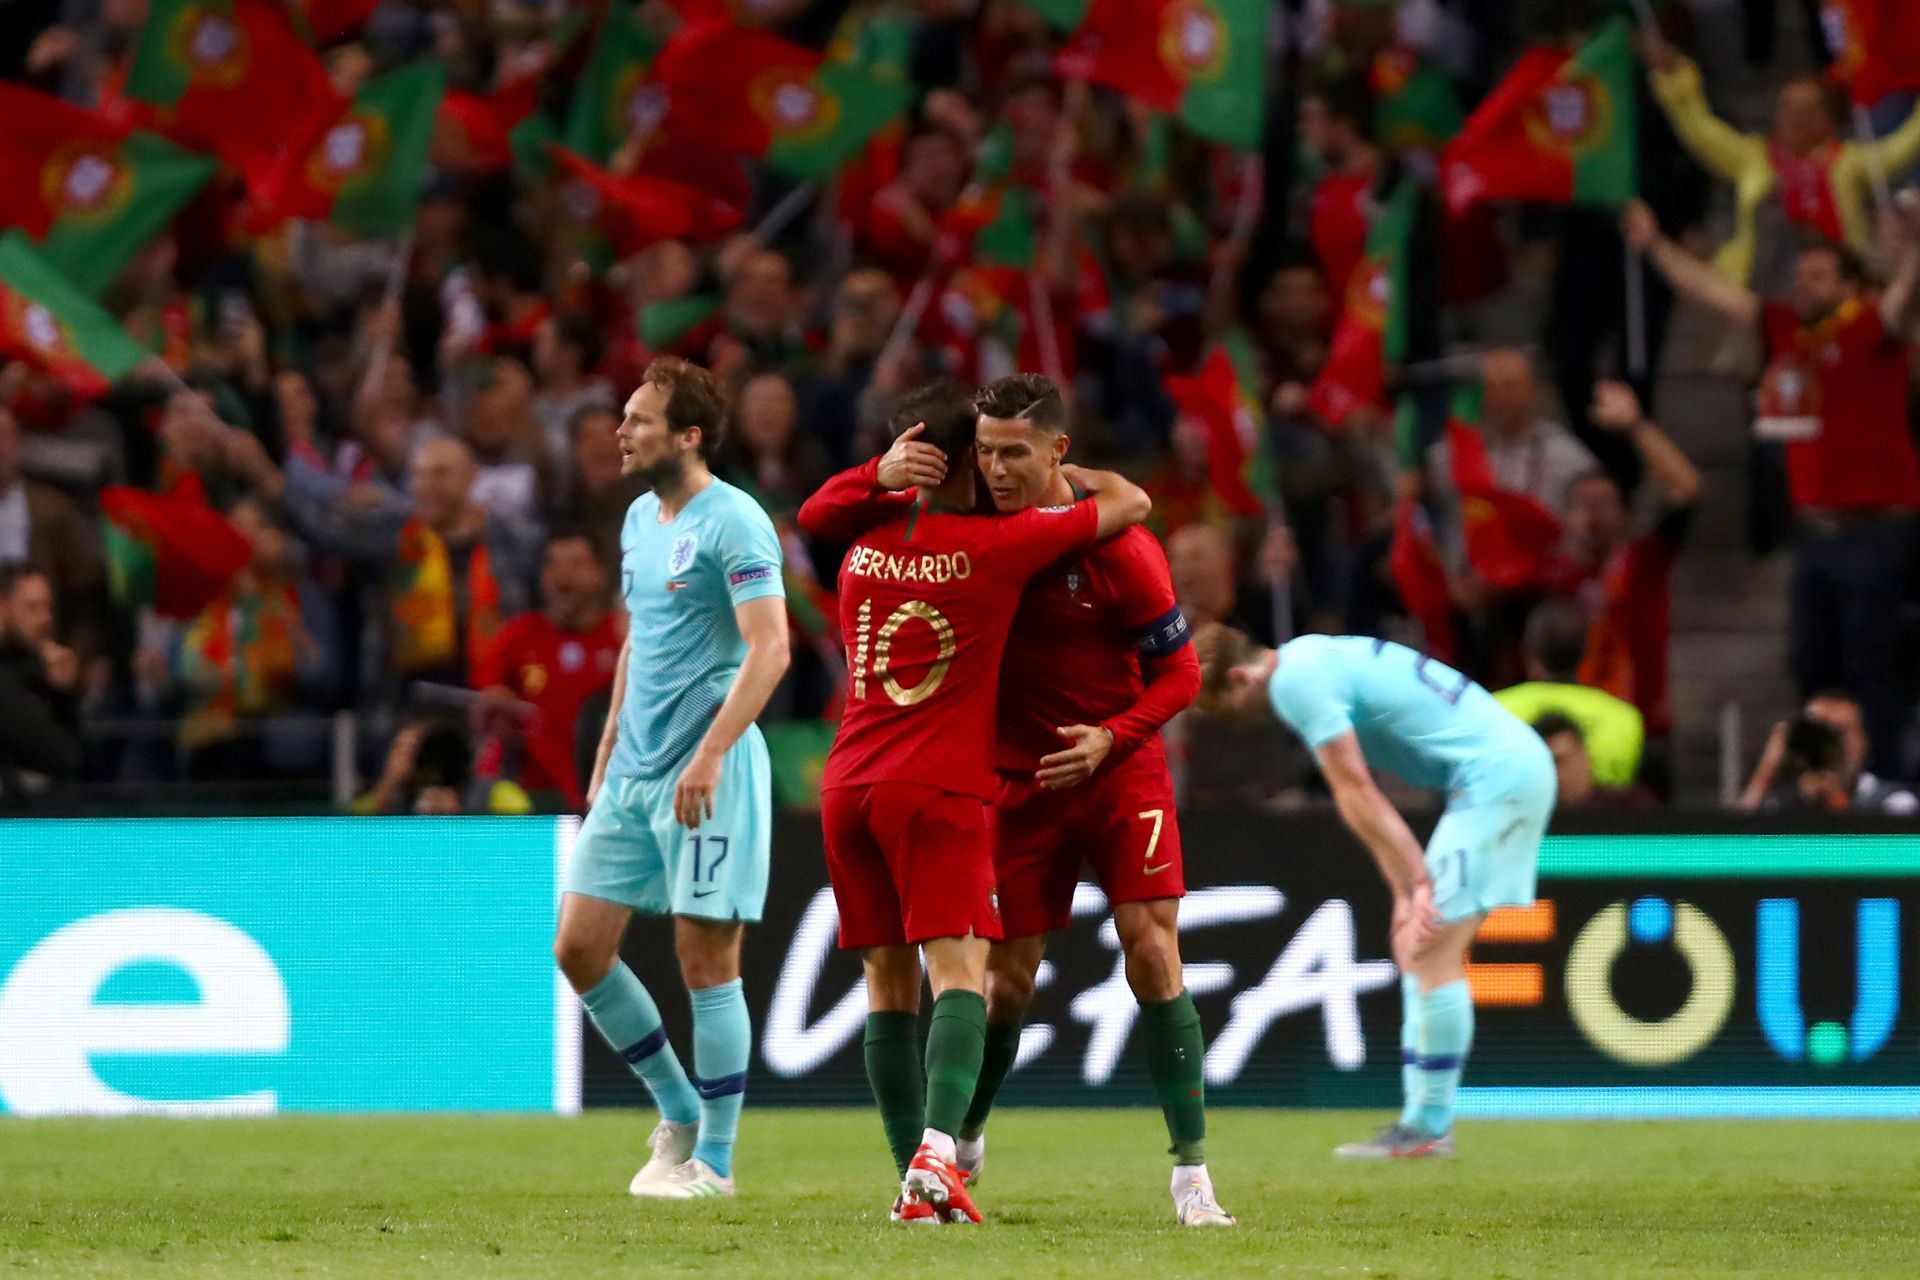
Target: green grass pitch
<point>1067,1193</point>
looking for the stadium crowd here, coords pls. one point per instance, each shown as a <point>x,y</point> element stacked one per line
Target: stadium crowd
<point>408,440</point>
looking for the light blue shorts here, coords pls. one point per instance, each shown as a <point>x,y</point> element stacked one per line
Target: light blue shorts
<point>1485,851</point>
<point>632,850</point>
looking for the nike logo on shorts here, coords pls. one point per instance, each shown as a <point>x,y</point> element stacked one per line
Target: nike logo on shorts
<point>1154,871</point>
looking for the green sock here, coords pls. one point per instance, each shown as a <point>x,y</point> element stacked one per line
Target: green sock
<point>893,1069</point>
<point>955,1044</point>
<point>1003,1046</point>
<point>1177,1061</point>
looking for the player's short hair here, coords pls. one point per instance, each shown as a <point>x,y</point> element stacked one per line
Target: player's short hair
<point>695,398</point>
<point>946,406</point>
<point>1220,649</point>
<point>1553,724</point>
<point>1556,636</point>
<point>1028,397</point>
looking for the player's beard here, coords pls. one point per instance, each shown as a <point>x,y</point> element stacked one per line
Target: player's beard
<point>669,473</point>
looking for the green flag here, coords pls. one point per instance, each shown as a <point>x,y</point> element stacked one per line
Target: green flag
<point>613,101</point>
<point>47,322</point>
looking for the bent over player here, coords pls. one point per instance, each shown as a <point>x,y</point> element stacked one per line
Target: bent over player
<point>1097,661</point>
<point>1362,704</point>
<point>680,807</point>
<point>925,601</point>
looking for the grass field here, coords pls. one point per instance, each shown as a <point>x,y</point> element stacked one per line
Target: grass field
<point>1067,1193</point>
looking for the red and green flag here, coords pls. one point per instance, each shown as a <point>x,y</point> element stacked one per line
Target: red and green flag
<point>752,93</point>
<point>1560,129</point>
<point>1203,61</point>
<point>1063,15</point>
<point>614,100</point>
<point>1875,46</point>
<point>1416,106</point>
<point>665,325</point>
<point>86,189</point>
<point>230,77</point>
<point>639,210</point>
<point>491,126</point>
<point>1225,396</point>
<point>1372,330</point>
<point>362,169</point>
<point>1420,573</point>
<point>170,551</point>
<point>47,322</point>
<point>1507,534</point>
<point>325,21</point>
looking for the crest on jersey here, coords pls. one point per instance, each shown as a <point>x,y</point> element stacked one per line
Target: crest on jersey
<point>682,554</point>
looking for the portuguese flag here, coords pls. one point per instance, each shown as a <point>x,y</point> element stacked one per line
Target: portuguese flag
<point>48,323</point>
<point>325,21</point>
<point>1225,396</point>
<point>229,77</point>
<point>1875,46</point>
<point>613,101</point>
<point>170,550</point>
<point>640,210</point>
<point>1201,60</point>
<point>662,326</point>
<point>752,93</point>
<point>362,168</point>
<point>1063,14</point>
<point>1421,575</point>
<point>90,192</point>
<point>1416,105</point>
<point>1372,332</point>
<point>1560,129</point>
<point>1507,534</point>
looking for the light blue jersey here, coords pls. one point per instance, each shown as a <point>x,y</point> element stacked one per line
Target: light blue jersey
<point>1433,727</point>
<point>681,581</point>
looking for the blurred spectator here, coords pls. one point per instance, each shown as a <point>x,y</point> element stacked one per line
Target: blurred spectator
<point>1611,730</point>
<point>1335,122</point>
<point>1579,788</point>
<point>41,526</point>
<point>39,707</point>
<point>1809,772</point>
<point>1527,452</point>
<point>903,223</point>
<point>1839,712</point>
<point>450,571</point>
<point>1295,318</point>
<point>1800,178</point>
<point>566,352</point>
<point>600,494</point>
<point>1620,577</point>
<point>428,771</point>
<point>763,328</point>
<point>1838,364</point>
<point>865,309</point>
<point>512,474</point>
<point>765,452</point>
<point>546,664</point>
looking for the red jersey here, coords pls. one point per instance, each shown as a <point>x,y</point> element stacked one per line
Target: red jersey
<point>925,603</point>
<point>1092,617</point>
<point>1852,375</point>
<point>556,671</point>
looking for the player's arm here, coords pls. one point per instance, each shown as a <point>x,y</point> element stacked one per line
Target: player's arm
<point>1168,665</point>
<point>1118,501</point>
<point>1896,300</point>
<point>604,755</point>
<point>869,495</point>
<point>1372,817</point>
<point>763,625</point>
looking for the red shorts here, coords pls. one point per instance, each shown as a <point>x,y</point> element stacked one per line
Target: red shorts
<point>909,864</point>
<point>1121,824</point>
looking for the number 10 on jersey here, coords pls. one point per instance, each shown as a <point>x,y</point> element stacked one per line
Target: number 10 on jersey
<point>878,645</point>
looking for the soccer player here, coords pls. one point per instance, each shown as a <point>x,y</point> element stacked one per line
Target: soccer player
<point>925,602</point>
<point>1362,704</point>
<point>680,802</point>
<point>1082,774</point>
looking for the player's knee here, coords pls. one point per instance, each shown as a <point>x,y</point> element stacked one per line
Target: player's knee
<point>583,963</point>
<point>1153,965</point>
<point>1010,991</point>
<point>705,962</point>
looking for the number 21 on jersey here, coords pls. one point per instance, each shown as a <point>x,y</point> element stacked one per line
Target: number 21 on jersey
<point>876,646</point>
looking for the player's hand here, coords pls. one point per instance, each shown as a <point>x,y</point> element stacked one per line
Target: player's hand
<point>1638,225</point>
<point>693,794</point>
<point>912,462</point>
<point>1415,925</point>
<point>1070,768</point>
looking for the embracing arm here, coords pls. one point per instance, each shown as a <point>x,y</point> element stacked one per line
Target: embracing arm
<point>877,490</point>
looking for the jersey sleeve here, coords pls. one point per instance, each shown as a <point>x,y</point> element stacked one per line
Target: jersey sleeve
<point>750,556</point>
<point>1305,695</point>
<point>1144,584</point>
<point>1025,543</point>
<point>851,503</point>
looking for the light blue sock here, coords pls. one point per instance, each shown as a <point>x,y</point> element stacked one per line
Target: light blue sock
<point>1409,1048</point>
<point>1446,1034</point>
<point>722,1040</point>
<point>630,1021</point>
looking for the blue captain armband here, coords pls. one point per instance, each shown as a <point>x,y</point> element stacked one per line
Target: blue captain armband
<point>1165,635</point>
